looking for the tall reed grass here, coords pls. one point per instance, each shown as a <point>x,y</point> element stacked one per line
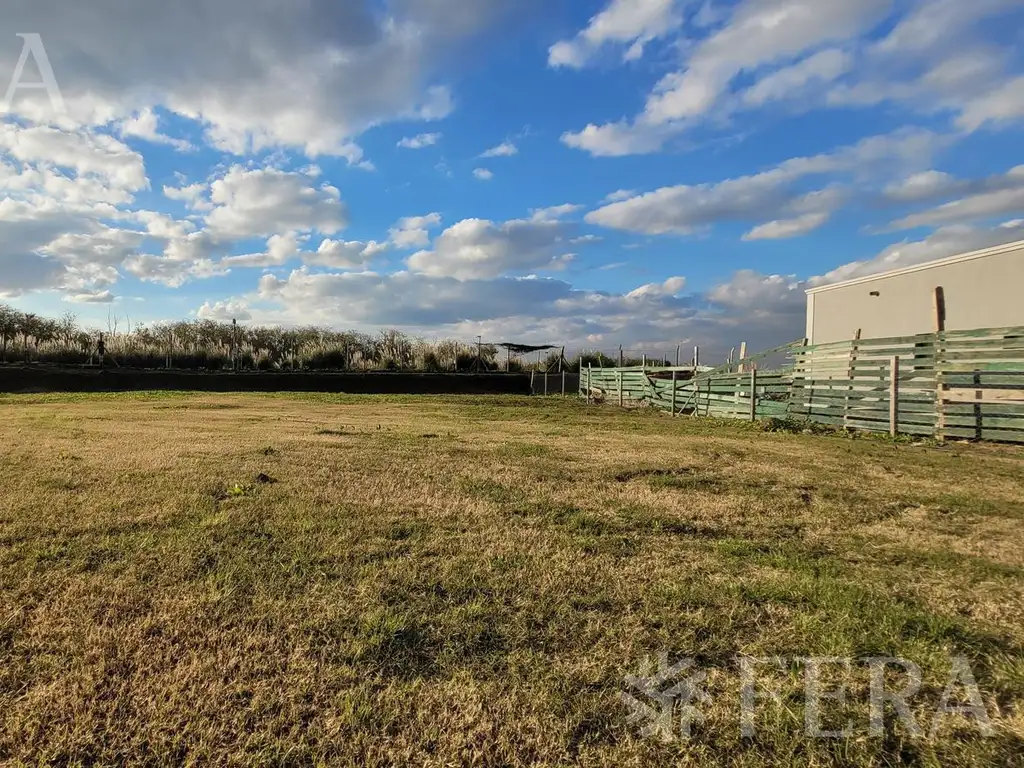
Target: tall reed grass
<point>211,345</point>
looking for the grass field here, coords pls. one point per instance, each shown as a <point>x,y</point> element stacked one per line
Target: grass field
<point>337,580</point>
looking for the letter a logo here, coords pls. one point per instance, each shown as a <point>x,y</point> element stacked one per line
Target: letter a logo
<point>33,46</point>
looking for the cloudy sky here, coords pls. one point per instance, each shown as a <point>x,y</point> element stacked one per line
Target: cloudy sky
<point>587,172</point>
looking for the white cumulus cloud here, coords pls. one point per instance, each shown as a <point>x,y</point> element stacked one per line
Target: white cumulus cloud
<point>414,231</point>
<point>420,141</point>
<point>505,149</point>
<point>266,201</point>
<point>477,248</point>
<point>632,23</point>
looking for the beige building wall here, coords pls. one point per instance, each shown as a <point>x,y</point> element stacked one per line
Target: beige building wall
<point>984,289</point>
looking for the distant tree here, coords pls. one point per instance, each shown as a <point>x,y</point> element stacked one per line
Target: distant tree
<point>209,344</point>
<point>596,360</point>
<point>27,324</point>
<point>45,331</point>
<point>10,325</point>
<point>551,361</point>
<point>67,328</point>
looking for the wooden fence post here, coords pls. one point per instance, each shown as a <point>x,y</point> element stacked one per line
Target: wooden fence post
<point>563,382</point>
<point>674,374</point>
<point>894,396</point>
<point>938,360</point>
<point>532,375</point>
<point>589,370</point>
<point>743,354</point>
<point>545,383</point>
<point>753,394</point>
<point>850,376</point>
<point>939,305</point>
<point>978,395</point>
<point>618,378</point>
<point>804,371</point>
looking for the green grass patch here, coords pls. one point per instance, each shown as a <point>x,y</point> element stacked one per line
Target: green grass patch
<point>230,579</point>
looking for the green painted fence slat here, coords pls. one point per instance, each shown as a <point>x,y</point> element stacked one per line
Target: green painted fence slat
<point>997,435</point>
<point>848,384</point>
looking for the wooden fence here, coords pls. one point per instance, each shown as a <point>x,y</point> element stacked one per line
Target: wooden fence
<point>955,384</point>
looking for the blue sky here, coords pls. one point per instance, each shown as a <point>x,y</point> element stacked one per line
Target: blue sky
<point>638,172</point>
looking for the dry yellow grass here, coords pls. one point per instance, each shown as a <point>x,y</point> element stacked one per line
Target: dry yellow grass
<point>452,581</point>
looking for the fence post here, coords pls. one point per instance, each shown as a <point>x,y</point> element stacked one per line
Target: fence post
<point>807,370</point>
<point>545,383</point>
<point>978,395</point>
<point>589,369</point>
<point>618,380</point>
<point>753,394</point>
<point>939,359</point>
<point>850,375</point>
<point>674,374</point>
<point>563,382</point>
<point>894,396</point>
<point>532,375</point>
